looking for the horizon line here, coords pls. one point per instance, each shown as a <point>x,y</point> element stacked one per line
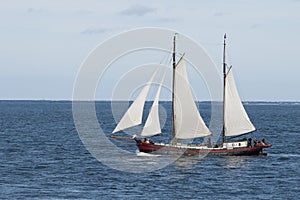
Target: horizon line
<point>164,100</point>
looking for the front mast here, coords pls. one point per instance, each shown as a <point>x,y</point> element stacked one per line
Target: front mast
<point>173,85</point>
<point>224,82</point>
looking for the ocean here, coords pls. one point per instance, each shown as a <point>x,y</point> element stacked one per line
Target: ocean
<point>42,157</point>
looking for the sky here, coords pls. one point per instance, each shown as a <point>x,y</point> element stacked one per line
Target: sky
<point>43,43</point>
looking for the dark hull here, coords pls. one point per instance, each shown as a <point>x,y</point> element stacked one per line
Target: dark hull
<point>168,149</point>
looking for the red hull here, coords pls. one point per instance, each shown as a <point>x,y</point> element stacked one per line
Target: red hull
<point>186,150</point>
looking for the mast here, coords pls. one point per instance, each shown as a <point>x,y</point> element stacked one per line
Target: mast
<point>224,82</point>
<point>174,66</point>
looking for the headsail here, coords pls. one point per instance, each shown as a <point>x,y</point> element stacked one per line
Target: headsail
<point>134,114</point>
<point>188,122</point>
<point>152,125</point>
<point>236,119</point>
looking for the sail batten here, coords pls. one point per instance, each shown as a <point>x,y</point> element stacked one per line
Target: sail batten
<point>188,121</point>
<point>134,114</point>
<point>152,125</point>
<point>236,120</point>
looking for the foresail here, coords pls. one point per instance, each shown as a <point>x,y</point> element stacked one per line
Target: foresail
<point>152,125</point>
<point>236,119</point>
<point>188,122</point>
<point>134,114</point>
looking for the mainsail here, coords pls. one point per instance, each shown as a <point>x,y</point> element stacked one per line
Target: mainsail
<point>134,114</point>
<point>188,122</point>
<point>152,125</point>
<point>236,120</point>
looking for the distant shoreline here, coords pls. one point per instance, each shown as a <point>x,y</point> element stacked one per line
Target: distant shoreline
<point>201,101</point>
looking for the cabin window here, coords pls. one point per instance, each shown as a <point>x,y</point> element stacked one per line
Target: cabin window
<point>239,144</point>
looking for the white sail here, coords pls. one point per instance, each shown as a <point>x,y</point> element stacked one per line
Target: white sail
<point>152,125</point>
<point>236,120</point>
<point>188,122</point>
<point>134,114</point>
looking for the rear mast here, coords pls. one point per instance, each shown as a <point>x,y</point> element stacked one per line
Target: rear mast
<point>224,82</point>
<point>173,86</point>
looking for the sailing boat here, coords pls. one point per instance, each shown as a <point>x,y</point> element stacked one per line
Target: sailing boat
<point>187,122</point>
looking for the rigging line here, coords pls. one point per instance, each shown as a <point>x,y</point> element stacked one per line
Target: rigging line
<point>235,136</point>
<point>169,57</point>
<point>165,58</point>
<point>181,54</point>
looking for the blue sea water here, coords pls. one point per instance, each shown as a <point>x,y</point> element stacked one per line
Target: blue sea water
<point>42,157</point>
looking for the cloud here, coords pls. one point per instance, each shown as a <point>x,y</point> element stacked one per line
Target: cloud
<point>34,10</point>
<point>167,20</point>
<point>137,10</point>
<point>83,12</point>
<point>93,30</point>
<point>221,14</point>
<point>254,26</point>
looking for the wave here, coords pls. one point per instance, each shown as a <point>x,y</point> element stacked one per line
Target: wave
<point>284,155</point>
<point>271,103</point>
<point>138,153</point>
